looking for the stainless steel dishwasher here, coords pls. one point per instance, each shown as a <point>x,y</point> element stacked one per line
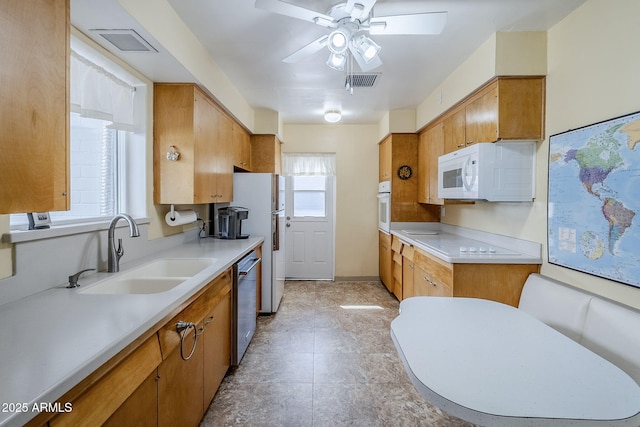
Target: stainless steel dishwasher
<point>244,305</point>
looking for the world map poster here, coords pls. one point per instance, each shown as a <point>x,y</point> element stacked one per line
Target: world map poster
<point>594,199</point>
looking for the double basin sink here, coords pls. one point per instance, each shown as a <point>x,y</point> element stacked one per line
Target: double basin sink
<point>155,277</point>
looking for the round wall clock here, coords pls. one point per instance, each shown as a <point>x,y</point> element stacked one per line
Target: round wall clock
<point>404,172</point>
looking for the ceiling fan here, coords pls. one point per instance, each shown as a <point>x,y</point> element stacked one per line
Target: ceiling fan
<point>350,22</point>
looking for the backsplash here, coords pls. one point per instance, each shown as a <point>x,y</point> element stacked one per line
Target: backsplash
<point>43,264</point>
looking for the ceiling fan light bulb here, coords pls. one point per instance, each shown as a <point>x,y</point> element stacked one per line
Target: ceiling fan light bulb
<point>338,41</point>
<point>367,48</point>
<point>332,116</point>
<point>337,61</point>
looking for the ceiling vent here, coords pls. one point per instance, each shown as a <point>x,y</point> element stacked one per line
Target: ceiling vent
<point>361,80</point>
<point>126,40</point>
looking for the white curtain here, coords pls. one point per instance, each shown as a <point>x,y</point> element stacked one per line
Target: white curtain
<point>99,94</point>
<point>308,164</point>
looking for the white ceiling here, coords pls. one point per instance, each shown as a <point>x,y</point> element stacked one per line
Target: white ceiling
<point>249,45</point>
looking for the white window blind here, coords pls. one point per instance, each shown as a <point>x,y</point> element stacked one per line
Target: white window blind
<point>99,94</point>
<point>308,164</point>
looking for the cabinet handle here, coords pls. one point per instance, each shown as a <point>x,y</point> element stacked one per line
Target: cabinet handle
<point>461,144</point>
<point>182,328</point>
<point>209,320</point>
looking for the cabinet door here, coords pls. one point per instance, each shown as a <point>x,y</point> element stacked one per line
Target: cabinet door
<point>430,147</point>
<point>140,409</point>
<point>223,158</point>
<point>408,269</point>
<point>206,123</point>
<point>34,111</point>
<point>180,387</point>
<point>454,131</point>
<point>436,149</point>
<point>481,117</point>
<point>216,342</point>
<point>241,148</point>
<point>384,159</point>
<point>423,168</point>
<point>385,260</point>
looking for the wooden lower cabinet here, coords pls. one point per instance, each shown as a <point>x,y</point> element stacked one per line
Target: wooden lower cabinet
<point>385,261</point>
<point>140,409</point>
<point>180,386</point>
<point>497,282</point>
<point>149,383</point>
<point>216,343</point>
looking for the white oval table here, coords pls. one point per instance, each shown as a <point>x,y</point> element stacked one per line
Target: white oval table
<point>494,365</point>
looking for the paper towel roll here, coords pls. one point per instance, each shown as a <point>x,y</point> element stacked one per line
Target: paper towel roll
<point>181,217</point>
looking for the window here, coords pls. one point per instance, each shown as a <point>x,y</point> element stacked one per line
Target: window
<point>107,147</point>
<point>309,196</point>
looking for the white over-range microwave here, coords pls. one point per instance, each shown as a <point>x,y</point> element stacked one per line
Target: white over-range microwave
<point>495,172</point>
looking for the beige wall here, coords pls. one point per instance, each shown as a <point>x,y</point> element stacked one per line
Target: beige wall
<point>593,75</point>
<point>356,151</point>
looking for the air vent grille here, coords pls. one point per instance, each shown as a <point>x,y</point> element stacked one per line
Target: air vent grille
<point>361,80</point>
<point>126,40</point>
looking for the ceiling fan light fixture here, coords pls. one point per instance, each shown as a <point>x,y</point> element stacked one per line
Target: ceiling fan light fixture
<point>337,61</point>
<point>332,116</point>
<point>366,48</point>
<point>338,41</point>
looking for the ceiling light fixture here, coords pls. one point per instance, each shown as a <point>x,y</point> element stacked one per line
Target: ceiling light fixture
<point>337,61</point>
<point>339,41</point>
<point>332,116</point>
<point>366,48</point>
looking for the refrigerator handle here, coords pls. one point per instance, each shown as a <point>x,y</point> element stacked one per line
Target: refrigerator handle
<point>275,229</point>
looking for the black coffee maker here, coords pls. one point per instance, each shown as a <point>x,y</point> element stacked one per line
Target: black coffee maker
<point>230,222</point>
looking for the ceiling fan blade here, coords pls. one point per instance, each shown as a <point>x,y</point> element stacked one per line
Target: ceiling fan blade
<point>291,10</point>
<point>364,66</point>
<point>308,50</point>
<point>421,23</point>
<point>359,9</point>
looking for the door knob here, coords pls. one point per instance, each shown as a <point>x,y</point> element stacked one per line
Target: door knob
<point>288,225</point>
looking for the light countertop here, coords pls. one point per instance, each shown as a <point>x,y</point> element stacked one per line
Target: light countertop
<point>462,245</point>
<point>54,339</point>
<point>492,364</point>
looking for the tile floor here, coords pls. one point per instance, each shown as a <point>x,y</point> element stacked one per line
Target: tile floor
<point>318,362</point>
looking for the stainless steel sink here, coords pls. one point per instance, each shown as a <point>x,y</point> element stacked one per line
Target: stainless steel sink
<point>155,277</point>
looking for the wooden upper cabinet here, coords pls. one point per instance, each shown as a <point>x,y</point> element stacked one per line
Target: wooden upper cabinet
<point>187,120</point>
<point>384,160</point>
<point>430,147</point>
<point>453,127</point>
<point>34,111</point>
<point>507,108</point>
<point>266,154</point>
<point>403,170</point>
<point>241,148</point>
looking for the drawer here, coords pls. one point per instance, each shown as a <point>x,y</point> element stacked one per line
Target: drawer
<point>397,258</point>
<point>424,285</point>
<point>437,270</point>
<point>408,252</point>
<point>195,312</point>
<point>396,244</point>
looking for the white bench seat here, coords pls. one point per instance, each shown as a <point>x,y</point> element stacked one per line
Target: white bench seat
<point>605,327</point>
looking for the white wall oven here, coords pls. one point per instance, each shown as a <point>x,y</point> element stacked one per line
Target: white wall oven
<point>384,206</point>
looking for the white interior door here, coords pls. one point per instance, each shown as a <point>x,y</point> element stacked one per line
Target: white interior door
<point>309,227</point>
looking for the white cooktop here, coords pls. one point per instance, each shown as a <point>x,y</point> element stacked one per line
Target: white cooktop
<point>453,245</point>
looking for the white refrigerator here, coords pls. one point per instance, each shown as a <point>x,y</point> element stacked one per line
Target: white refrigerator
<point>263,194</point>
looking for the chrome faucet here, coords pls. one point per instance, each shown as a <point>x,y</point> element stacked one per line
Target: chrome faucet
<point>113,259</point>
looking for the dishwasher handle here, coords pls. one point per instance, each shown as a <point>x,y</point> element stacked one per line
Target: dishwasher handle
<point>243,270</point>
